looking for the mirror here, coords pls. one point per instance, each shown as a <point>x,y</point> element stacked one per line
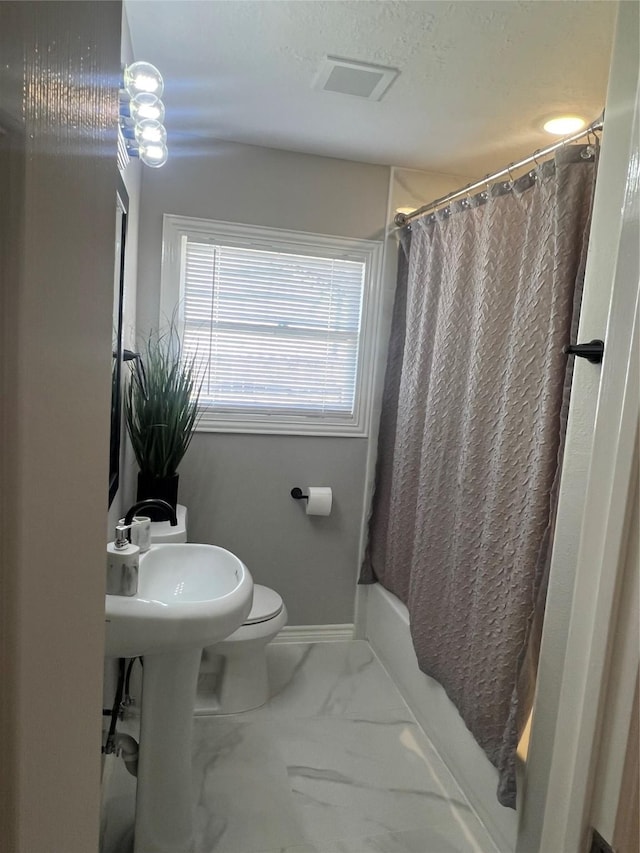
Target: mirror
<point>122,206</point>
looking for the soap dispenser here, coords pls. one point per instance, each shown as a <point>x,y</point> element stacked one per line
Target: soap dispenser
<point>123,562</point>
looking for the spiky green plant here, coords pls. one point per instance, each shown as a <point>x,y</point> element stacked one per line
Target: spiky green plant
<point>161,404</point>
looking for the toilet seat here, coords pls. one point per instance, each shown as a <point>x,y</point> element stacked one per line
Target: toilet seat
<point>267,604</point>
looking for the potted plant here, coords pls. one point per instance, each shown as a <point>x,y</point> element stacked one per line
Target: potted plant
<point>161,413</point>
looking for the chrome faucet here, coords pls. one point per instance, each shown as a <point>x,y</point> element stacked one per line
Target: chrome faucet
<point>151,502</point>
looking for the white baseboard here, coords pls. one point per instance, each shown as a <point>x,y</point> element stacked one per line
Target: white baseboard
<point>315,634</point>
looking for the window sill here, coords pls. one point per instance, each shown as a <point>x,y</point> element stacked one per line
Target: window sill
<point>262,427</point>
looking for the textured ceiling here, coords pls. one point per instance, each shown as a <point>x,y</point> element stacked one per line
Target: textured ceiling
<point>476,78</point>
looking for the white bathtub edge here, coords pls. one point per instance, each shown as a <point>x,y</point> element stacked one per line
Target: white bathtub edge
<point>387,630</point>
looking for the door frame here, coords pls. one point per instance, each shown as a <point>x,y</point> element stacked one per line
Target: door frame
<point>595,499</point>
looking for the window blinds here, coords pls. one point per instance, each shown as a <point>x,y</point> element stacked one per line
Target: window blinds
<point>276,333</point>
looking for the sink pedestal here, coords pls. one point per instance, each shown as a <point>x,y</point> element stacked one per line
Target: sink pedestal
<point>189,596</point>
<point>164,806</point>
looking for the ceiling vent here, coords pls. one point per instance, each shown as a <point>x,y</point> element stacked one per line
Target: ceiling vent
<point>358,79</point>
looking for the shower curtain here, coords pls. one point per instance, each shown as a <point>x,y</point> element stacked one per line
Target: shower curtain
<point>476,394</point>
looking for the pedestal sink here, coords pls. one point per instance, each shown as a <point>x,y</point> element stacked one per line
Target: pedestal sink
<point>189,596</point>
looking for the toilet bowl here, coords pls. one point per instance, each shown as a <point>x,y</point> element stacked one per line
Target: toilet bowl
<point>233,672</point>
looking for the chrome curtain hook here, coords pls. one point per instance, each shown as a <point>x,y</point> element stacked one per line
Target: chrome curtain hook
<point>592,146</point>
<point>466,201</point>
<point>532,173</point>
<point>510,184</point>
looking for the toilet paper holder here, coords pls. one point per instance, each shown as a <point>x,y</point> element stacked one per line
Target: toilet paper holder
<point>319,499</point>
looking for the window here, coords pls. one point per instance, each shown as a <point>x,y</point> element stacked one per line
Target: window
<point>282,323</point>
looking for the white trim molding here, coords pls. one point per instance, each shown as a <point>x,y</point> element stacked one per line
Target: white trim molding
<point>596,490</point>
<point>315,634</point>
<point>176,229</point>
<point>600,562</point>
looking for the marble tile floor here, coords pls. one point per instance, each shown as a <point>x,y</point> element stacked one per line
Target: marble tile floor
<point>334,763</point>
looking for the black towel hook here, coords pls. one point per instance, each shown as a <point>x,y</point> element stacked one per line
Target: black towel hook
<point>593,351</point>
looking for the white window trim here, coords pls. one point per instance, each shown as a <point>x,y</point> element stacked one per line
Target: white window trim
<point>299,242</point>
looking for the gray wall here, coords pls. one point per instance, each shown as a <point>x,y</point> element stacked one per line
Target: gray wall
<point>237,486</point>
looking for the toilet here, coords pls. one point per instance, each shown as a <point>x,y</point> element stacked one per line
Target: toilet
<point>233,673</point>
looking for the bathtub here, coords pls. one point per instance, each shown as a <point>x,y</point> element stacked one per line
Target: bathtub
<point>384,621</point>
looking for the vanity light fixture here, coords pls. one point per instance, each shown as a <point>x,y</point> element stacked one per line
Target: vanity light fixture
<point>142,114</point>
<point>564,125</point>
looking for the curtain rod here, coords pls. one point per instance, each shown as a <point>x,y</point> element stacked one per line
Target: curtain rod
<point>401,219</point>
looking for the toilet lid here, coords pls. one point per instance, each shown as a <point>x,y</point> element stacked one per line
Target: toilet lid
<point>266,605</point>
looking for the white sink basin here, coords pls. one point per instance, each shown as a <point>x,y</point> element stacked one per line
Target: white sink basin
<point>189,596</point>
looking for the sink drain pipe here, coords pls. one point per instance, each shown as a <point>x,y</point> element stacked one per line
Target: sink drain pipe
<point>110,744</point>
<point>127,749</point>
<point>124,746</point>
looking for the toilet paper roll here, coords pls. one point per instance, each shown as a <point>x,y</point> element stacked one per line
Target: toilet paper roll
<point>320,500</point>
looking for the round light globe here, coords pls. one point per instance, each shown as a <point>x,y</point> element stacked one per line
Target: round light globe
<point>150,131</point>
<point>143,77</point>
<point>146,106</point>
<point>153,154</point>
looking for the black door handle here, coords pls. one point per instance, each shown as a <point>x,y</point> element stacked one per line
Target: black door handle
<point>593,351</point>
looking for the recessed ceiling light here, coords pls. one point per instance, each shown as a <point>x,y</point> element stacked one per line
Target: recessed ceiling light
<point>563,125</point>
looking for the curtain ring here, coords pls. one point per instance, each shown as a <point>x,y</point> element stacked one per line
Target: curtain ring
<point>594,145</point>
<point>533,174</point>
<point>485,193</point>
<point>589,151</point>
<point>510,184</point>
<point>466,201</point>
